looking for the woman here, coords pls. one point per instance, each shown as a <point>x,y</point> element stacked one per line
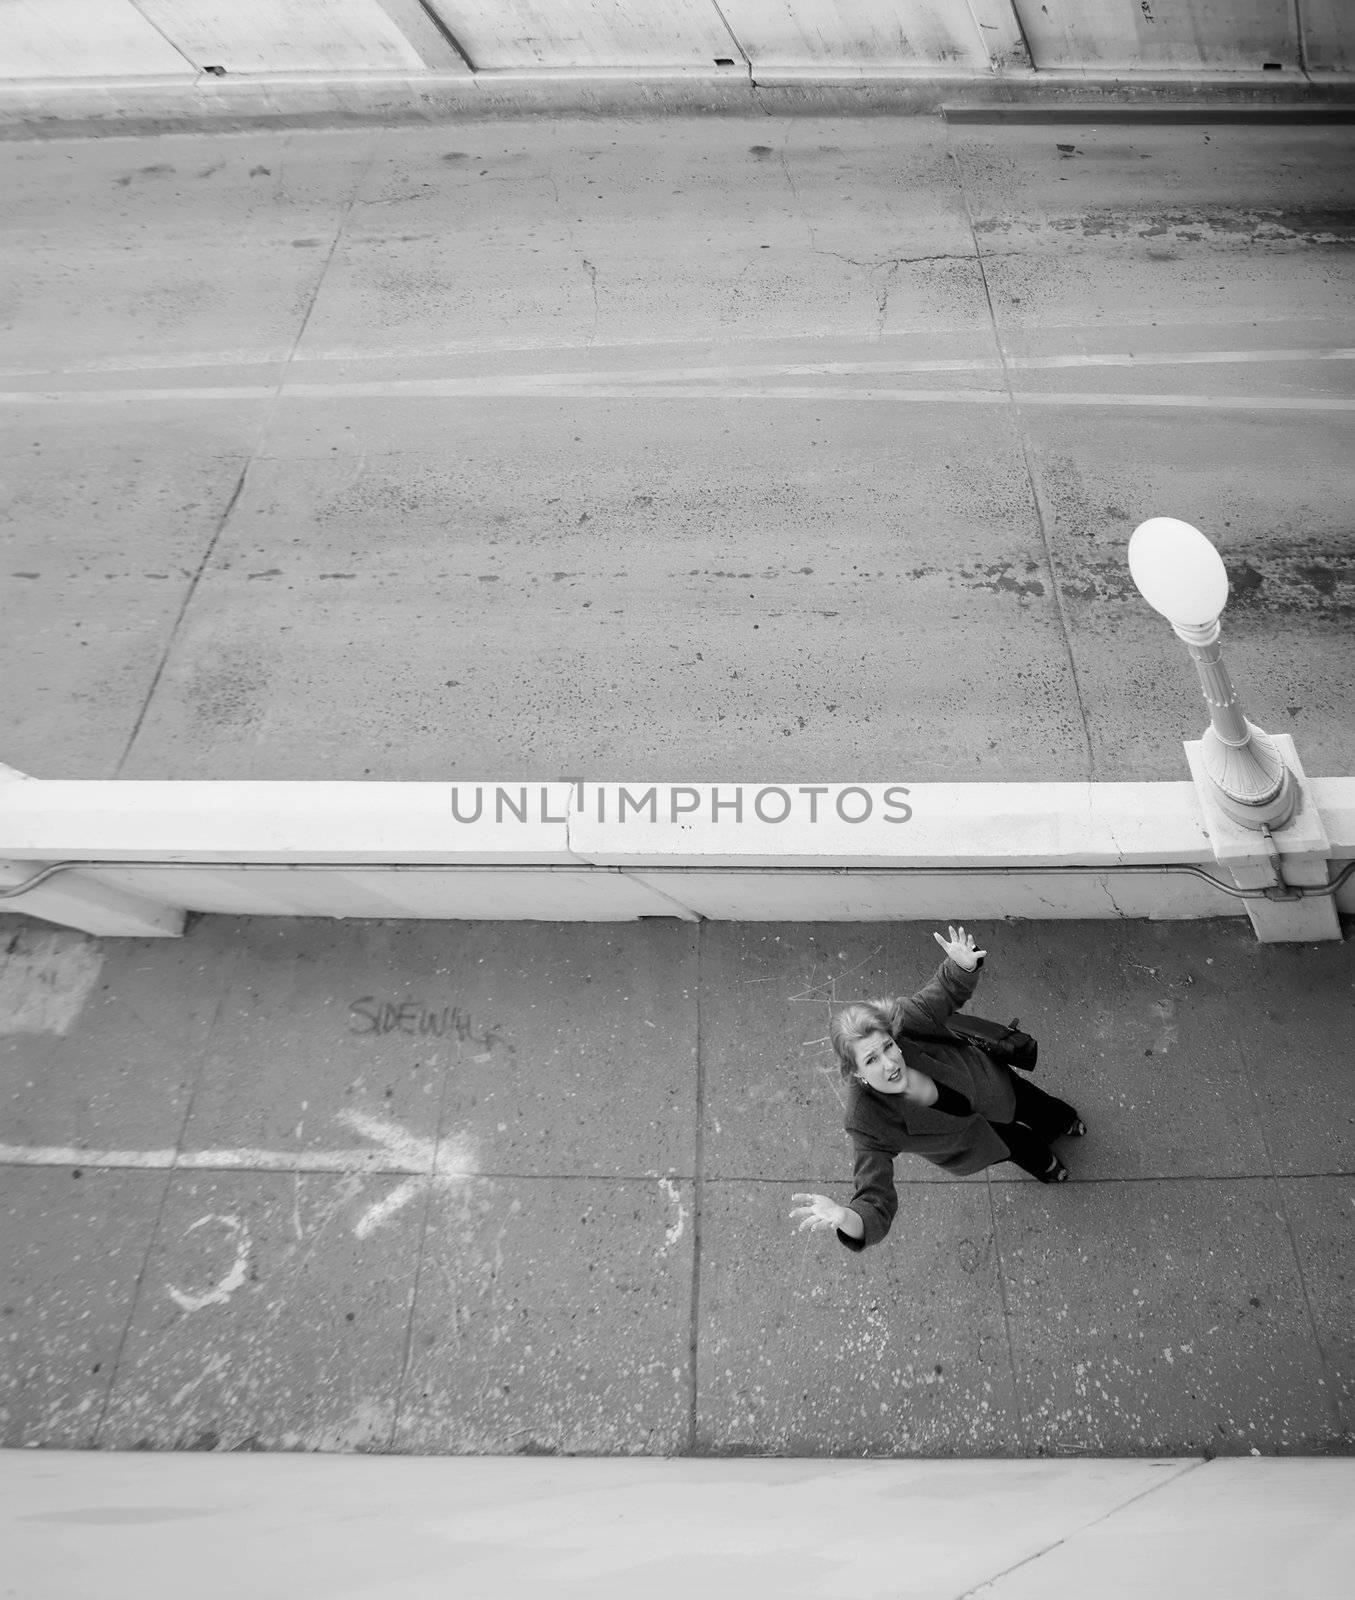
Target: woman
<point>951,1104</point>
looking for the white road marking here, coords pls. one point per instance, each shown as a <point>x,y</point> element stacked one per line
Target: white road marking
<point>1170,358</point>
<point>507,388</point>
<point>1107,358</point>
<point>426,1163</point>
<point>841,369</point>
<point>1208,402</point>
<point>124,397</point>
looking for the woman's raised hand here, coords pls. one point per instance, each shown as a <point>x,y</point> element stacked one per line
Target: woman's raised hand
<point>960,948</point>
<point>819,1214</point>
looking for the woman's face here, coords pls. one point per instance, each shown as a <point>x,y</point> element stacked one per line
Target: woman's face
<point>879,1062</point>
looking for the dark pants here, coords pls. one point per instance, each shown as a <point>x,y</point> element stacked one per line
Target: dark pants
<point>1038,1120</point>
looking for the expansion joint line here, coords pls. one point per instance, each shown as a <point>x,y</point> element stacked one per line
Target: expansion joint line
<point>734,40</point>
<point>1022,1420</point>
<point>1054,1544</point>
<point>698,1197</point>
<point>1041,521</point>
<point>795,193</point>
<point>154,1238</point>
<point>191,590</point>
<point>407,1351</point>
<point>431,12</point>
<point>1282,1212</point>
<point>265,421</point>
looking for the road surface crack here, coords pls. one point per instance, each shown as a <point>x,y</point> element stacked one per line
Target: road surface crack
<point>592,272</point>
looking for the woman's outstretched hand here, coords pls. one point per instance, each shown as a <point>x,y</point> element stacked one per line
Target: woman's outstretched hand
<point>960,948</point>
<point>819,1214</point>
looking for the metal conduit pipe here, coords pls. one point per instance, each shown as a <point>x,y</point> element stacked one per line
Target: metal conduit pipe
<point>1282,892</point>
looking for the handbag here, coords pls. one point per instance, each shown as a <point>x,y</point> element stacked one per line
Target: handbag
<point>1003,1043</point>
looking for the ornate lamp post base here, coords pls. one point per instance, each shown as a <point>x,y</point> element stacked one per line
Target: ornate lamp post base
<point>1251,782</point>
<point>1297,855</point>
<point>1254,787</point>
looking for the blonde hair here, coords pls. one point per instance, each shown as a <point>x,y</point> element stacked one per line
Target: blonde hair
<point>854,1023</point>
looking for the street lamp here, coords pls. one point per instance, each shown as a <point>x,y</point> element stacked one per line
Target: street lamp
<point>1180,574</point>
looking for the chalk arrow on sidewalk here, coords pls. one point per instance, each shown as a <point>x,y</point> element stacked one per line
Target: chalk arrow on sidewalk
<point>424,1163</point>
<point>431,1166</point>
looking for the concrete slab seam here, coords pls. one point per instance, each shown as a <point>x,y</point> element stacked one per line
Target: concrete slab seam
<point>1282,1211</point>
<point>182,612</point>
<point>1023,1419</point>
<point>795,193</point>
<point>698,1195</point>
<point>133,1301</point>
<point>1019,432</point>
<point>115,1365</point>
<point>1114,1511</point>
<point>165,1161</point>
<point>430,1195</point>
<point>358,182</point>
<point>264,423</point>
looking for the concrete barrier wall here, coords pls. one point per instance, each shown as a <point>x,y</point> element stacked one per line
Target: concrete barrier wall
<point>1161,35</point>
<point>1327,34</point>
<point>84,39</point>
<point>57,40</point>
<point>498,34</point>
<point>283,35</point>
<point>147,852</point>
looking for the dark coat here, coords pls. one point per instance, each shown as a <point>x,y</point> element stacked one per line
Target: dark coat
<point>882,1126</point>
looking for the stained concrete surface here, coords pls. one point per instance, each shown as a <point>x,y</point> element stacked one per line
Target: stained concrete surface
<point>1190,1319</point>
<point>723,532</point>
<point>497,1189</point>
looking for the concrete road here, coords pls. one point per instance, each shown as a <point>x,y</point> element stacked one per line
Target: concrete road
<point>774,449</point>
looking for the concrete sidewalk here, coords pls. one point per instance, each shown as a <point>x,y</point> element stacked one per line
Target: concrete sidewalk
<point>524,1188</point>
<point>129,1527</point>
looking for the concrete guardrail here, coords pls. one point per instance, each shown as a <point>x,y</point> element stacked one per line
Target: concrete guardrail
<point>132,858</point>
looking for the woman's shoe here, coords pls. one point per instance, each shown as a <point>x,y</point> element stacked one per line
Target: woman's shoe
<point>1055,1172</point>
<point>1076,1129</point>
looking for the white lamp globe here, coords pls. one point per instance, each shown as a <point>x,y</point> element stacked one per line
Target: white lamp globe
<point>1177,571</point>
